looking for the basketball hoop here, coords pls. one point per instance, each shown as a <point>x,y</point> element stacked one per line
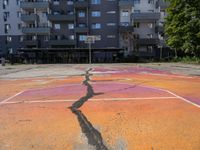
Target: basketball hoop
<point>90,39</point>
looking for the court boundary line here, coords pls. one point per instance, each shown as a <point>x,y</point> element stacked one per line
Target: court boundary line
<point>148,73</point>
<point>164,90</point>
<point>6,100</point>
<point>167,91</point>
<point>93,100</point>
<point>179,97</point>
<point>167,75</point>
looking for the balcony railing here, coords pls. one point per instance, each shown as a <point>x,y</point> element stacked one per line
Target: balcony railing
<point>162,4</point>
<point>146,41</point>
<point>81,4</point>
<point>39,4</point>
<point>29,17</point>
<point>36,30</point>
<point>61,17</point>
<point>146,16</point>
<point>126,29</point>
<point>81,29</point>
<point>62,42</point>
<point>126,3</point>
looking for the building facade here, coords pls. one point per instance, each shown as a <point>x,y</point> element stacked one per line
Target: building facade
<point>49,31</point>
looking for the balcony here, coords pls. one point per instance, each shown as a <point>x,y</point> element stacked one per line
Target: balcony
<point>29,18</point>
<point>146,16</point>
<point>62,42</point>
<point>81,4</point>
<point>159,29</point>
<point>81,30</point>
<point>126,3</point>
<point>126,29</point>
<point>163,4</point>
<point>30,42</point>
<point>61,17</point>
<point>153,41</point>
<point>36,30</point>
<point>37,4</point>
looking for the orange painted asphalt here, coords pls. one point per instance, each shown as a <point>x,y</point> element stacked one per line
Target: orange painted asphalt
<point>122,112</point>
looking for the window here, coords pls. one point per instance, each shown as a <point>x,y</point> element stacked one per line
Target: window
<point>21,39</point>
<point>70,2</point>
<point>10,50</point>
<point>8,38</point>
<point>150,25</point>
<point>136,11</point>
<point>18,14</point>
<point>96,26</point>
<point>151,11</point>
<point>71,37</point>
<point>111,24</point>
<point>6,16</point>
<point>34,37</point>
<point>70,12</point>
<point>18,2</point>
<point>81,25</point>
<point>96,13</point>
<point>150,49</point>
<point>111,12</point>
<point>96,1</point>
<point>7,27</point>
<point>111,36</point>
<point>81,14</point>
<point>136,25</point>
<point>98,37</point>
<point>136,36</point>
<point>136,1</point>
<point>5,3</point>
<point>46,38</point>
<point>125,24</point>
<point>56,2</point>
<point>44,14</point>
<point>70,26</point>
<point>125,13</point>
<point>149,36</point>
<point>19,26</point>
<point>57,26</point>
<point>150,1</point>
<point>82,37</point>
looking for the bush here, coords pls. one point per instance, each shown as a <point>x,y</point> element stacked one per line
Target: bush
<point>187,59</point>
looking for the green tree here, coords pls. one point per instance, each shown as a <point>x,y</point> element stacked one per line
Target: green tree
<point>182,25</point>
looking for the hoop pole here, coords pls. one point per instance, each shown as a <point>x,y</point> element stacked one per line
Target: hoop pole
<point>90,53</point>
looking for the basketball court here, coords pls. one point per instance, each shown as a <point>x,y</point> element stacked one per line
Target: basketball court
<point>123,107</point>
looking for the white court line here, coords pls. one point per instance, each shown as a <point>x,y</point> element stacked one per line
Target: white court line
<point>166,75</point>
<point>148,73</point>
<point>117,99</point>
<point>94,100</point>
<point>177,96</point>
<point>183,99</point>
<point>159,89</point>
<point>6,100</point>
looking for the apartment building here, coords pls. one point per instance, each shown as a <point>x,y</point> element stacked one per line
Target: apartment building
<point>49,31</point>
<point>10,26</point>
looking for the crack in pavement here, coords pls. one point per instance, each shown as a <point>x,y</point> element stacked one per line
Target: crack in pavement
<point>93,135</point>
